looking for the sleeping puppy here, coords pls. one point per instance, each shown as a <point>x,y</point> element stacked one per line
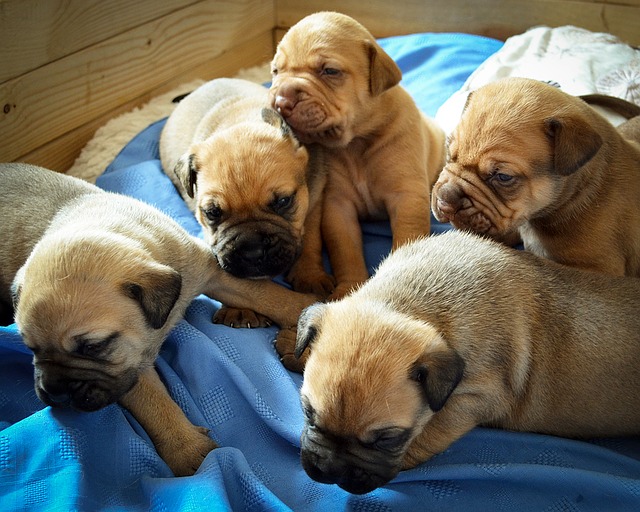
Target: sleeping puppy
<point>249,183</point>
<point>456,331</point>
<point>339,92</point>
<point>529,161</point>
<point>98,280</point>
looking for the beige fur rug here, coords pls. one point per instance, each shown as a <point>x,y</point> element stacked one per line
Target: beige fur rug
<point>116,133</point>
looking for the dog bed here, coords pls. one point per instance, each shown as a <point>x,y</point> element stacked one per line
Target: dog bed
<point>231,381</point>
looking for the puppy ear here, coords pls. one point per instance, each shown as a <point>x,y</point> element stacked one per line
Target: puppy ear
<point>307,331</point>
<point>466,102</point>
<point>156,290</point>
<point>438,373</point>
<point>384,73</point>
<point>272,117</point>
<point>187,172</point>
<point>575,142</point>
<point>16,287</point>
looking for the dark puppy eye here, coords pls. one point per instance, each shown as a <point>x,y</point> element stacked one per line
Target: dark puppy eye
<point>95,348</point>
<point>499,177</point>
<point>330,72</point>
<point>274,71</point>
<point>212,213</point>
<point>392,439</point>
<point>309,413</point>
<point>281,205</point>
<point>503,178</point>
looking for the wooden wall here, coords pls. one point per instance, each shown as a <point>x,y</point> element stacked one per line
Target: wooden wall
<point>493,18</point>
<point>68,66</point>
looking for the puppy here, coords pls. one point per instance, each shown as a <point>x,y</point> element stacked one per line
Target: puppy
<point>249,183</point>
<point>98,280</point>
<point>338,90</point>
<point>528,161</point>
<point>455,331</point>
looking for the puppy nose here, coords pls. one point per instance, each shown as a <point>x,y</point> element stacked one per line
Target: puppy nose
<point>284,105</point>
<point>445,207</point>
<point>254,254</point>
<point>448,199</point>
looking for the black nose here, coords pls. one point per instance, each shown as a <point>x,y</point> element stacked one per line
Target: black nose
<point>254,250</point>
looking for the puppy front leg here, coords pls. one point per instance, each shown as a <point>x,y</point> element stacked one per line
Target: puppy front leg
<point>308,274</point>
<point>409,216</point>
<point>343,237</point>
<point>270,299</point>
<point>446,426</point>
<point>182,445</point>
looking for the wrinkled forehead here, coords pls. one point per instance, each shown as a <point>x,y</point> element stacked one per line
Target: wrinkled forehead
<point>315,43</point>
<point>360,377</point>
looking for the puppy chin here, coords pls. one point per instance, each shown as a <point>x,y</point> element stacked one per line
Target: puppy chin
<point>80,394</point>
<point>356,473</point>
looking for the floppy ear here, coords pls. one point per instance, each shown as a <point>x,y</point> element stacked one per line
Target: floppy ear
<point>438,373</point>
<point>16,287</point>
<point>272,117</point>
<point>575,142</point>
<point>307,330</point>
<point>156,290</point>
<point>384,73</point>
<point>187,172</point>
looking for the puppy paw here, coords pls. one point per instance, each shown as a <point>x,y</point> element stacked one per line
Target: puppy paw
<point>184,453</point>
<point>233,317</point>
<point>285,346</point>
<point>318,283</point>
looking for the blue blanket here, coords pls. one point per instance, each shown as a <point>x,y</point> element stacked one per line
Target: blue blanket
<point>231,381</point>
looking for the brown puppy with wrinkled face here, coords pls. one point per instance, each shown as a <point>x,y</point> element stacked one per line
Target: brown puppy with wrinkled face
<point>422,353</point>
<point>338,90</point>
<point>98,280</point>
<point>250,184</point>
<point>529,161</point>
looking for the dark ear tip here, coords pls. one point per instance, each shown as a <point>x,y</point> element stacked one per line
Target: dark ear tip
<point>299,350</point>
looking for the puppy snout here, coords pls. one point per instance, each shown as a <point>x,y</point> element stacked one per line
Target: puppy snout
<point>254,250</point>
<point>59,398</point>
<point>256,254</point>
<point>286,99</point>
<point>449,199</point>
<point>284,105</point>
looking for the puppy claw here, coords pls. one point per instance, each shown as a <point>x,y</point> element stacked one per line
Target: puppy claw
<point>241,318</point>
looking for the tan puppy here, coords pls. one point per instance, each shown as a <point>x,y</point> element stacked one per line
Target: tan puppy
<point>98,280</point>
<point>455,331</point>
<point>247,179</point>
<point>338,90</point>
<point>529,161</point>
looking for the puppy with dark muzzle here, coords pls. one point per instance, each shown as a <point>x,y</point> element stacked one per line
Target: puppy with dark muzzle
<point>96,281</point>
<point>530,162</point>
<point>252,186</point>
<point>456,331</point>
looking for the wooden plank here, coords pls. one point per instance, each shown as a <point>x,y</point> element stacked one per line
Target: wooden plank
<point>492,18</point>
<point>50,101</point>
<point>36,32</point>
<point>60,153</point>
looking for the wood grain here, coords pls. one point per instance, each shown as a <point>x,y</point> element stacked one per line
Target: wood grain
<point>493,18</point>
<point>55,99</point>
<point>36,32</point>
<point>60,153</point>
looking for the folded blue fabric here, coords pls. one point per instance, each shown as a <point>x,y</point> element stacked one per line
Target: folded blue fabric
<point>231,381</point>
